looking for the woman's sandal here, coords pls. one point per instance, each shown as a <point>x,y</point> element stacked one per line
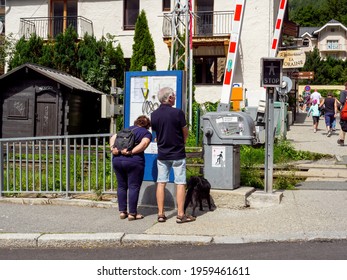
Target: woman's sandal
<point>123,215</point>
<point>161,218</point>
<point>135,217</point>
<point>184,219</point>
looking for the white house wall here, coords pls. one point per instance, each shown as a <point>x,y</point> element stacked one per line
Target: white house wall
<point>107,17</point>
<point>16,9</point>
<point>326,35</point>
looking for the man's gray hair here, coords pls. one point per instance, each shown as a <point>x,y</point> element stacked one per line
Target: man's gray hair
<point>164,94</point>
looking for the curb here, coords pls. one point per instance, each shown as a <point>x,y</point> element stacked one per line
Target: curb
<point>94,240</point>
<point>99,240</point>
<point>60,202</point>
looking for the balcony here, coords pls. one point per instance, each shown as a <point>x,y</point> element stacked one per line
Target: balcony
<point>332,48</point>
<point>206,24</point>
<point>49,27</point>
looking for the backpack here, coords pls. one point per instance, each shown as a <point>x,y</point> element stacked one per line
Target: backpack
<point>125,139</point>
<point>343,113</point>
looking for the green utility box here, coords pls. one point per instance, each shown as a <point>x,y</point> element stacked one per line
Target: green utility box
<point>280,115</point>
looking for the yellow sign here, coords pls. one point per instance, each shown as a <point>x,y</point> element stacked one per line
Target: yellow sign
<point>293,58</point>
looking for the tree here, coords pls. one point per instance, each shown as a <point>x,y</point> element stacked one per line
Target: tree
<point>95,62</point>
<point>143,47</point>
<point>47,55</point>
<point>317,12</point>
<point>335,9</point>
<point>65,51</point>
<point>26,51</point>
<point>89,55</point>
<point>99,61</point>
<point>117,62</point>
<point>306,15</point>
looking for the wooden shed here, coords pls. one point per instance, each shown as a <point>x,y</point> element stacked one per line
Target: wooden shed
<point>39,101</point>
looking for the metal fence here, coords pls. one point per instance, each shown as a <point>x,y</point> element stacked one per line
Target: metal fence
<point>71,164</point>
<point>208,24</point>
<point>50,27</point>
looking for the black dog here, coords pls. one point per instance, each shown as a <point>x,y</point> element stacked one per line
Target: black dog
<point>198,189</point>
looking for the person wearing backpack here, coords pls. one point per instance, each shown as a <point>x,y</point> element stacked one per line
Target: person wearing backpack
<point>343,122</point>
<point>129,165</point>
<point>330,111</point>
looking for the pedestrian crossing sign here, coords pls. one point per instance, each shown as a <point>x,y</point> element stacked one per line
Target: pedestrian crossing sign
<point>271,74</point>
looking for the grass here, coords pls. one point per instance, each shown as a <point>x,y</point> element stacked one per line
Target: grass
<point>48,174</point>
<point>285,156</point>
<point>252,160</point>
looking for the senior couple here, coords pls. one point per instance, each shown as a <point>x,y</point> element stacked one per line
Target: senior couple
<point>171,130</point>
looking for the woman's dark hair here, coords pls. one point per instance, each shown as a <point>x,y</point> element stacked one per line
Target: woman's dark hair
<point>143,121</point>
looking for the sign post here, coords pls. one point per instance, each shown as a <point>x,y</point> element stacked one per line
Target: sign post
<point>305,75</point>
<point>271,77</point>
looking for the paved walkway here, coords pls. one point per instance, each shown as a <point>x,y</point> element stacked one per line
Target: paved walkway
<point>303,138</point>
<point>303,214</point>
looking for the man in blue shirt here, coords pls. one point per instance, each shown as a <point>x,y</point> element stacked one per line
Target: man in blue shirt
<point>171,129</point>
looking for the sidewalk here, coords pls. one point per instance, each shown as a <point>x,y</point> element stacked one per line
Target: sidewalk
<point>303,138</point>
<point>302,214</point>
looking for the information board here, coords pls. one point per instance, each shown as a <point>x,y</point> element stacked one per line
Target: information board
<point>141,89</point>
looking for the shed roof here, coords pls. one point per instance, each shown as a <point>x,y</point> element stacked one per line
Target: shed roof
<point>58,76</point>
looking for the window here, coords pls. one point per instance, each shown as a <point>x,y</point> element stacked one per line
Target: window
<point>166,5</point>
<point>64,14</point>
<point>2,17</point>
<point>332,44</point>
<point>204,21</point>
<point>306,42</point>
<point>18,109</point>
<point>2,24</point>
<point>209,70</point>
<point>131,12</point>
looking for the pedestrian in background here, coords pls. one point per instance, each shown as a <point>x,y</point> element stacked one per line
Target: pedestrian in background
<point>129,167</point>
<point>316,96</point>
<point>307,101</point>
<point>301,103</point>
<point>333,126</point>
<point>314,109</point>
<point>343,123</point>
<point>171,130</point>
<point>330,111</point>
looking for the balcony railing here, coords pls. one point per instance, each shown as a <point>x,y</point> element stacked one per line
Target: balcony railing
<point>333,47</point>
<point>206,24</point>
<point>49,27</point>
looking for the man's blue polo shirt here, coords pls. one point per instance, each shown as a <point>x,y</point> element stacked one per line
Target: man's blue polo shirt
<point>168,122</point>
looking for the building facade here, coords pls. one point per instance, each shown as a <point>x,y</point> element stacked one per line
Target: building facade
<point>211,32</point>
<point>330,39</point>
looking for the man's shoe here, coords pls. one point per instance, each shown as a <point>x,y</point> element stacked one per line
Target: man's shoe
<point>329,133</point>
<point>341,142</point>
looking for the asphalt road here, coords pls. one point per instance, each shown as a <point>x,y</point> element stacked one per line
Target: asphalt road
<point>333,250</point>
